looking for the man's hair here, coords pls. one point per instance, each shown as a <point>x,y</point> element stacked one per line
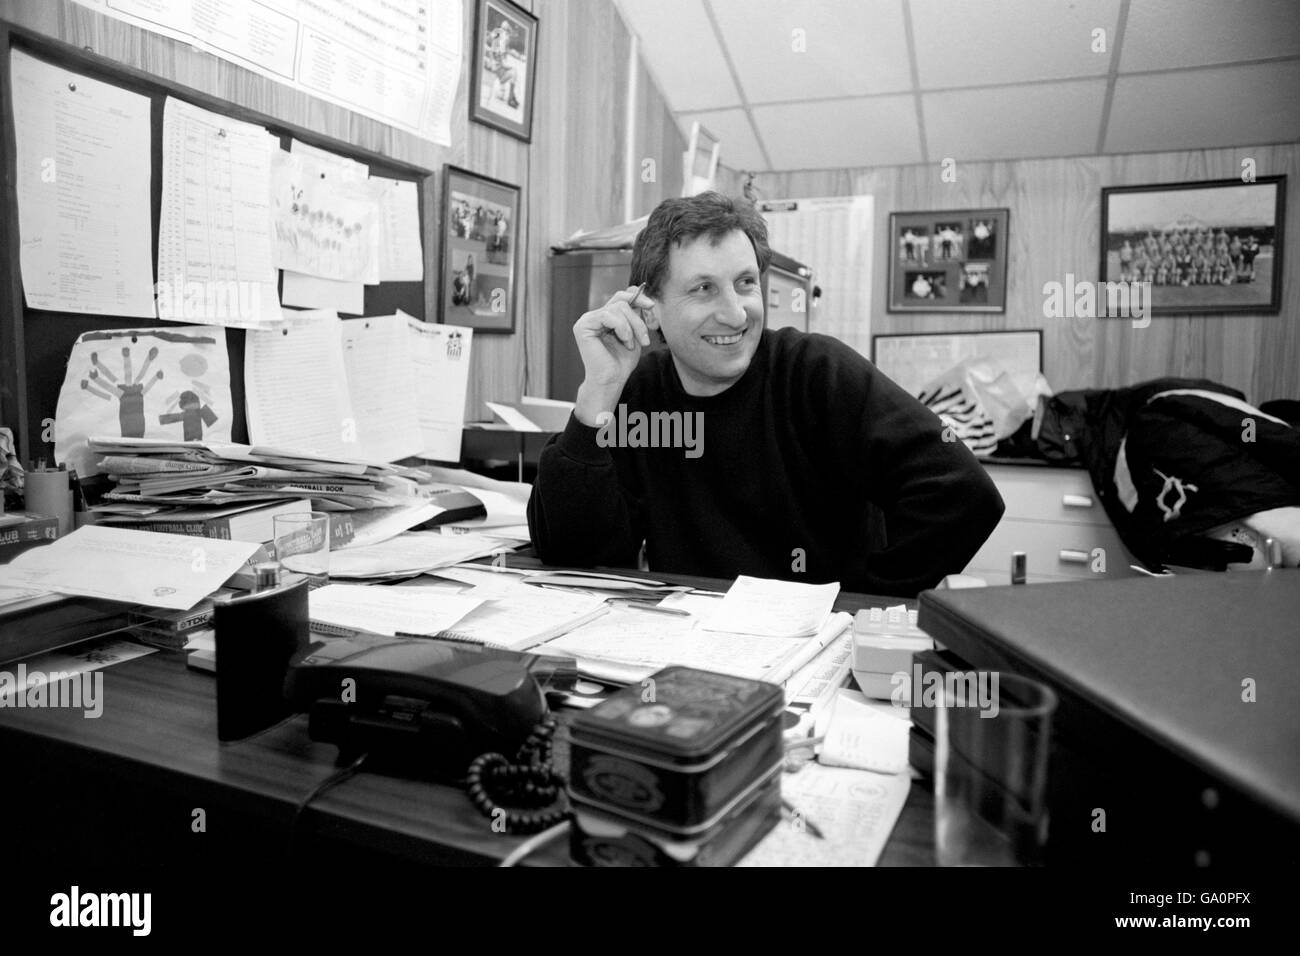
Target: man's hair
<point>680,220</point>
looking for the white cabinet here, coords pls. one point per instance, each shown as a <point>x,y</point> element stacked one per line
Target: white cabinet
<point>1053,516</point>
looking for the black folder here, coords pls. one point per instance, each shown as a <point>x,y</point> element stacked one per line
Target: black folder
<point>1155,726</point>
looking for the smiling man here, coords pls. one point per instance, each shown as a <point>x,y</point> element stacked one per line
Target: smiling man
<point>805,463</point>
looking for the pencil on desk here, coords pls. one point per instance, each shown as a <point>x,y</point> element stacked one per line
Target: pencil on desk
<point>796,814</point>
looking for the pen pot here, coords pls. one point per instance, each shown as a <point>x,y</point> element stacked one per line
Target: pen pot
<point>677,751</point>
<point>256,635</point>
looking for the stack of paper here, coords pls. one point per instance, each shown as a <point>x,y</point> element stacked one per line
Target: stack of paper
<point>413,552</point>
<point>389,611</point>
<point>629,643</point>
<point>775,608</point>
<point>165,473</point>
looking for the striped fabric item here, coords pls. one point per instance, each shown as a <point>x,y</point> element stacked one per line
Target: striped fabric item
<point>959,410</point>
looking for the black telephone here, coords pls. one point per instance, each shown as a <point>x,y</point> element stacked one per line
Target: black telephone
<point>445,710</point>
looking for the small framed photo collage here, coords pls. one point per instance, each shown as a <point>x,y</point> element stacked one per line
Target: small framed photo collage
<point>948,261</point>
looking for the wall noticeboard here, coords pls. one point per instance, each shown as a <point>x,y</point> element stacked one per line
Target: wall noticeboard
<point>35,344</point>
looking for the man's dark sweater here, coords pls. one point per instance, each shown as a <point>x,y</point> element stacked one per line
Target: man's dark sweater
<point>779,483</point>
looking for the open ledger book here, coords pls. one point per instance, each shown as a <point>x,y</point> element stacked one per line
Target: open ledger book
<point>627,644</point>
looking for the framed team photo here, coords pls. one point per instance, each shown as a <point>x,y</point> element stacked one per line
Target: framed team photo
<point>480,251</point>
<point>948,261</point>
<point>1204,246</point>
<point>505,68</point>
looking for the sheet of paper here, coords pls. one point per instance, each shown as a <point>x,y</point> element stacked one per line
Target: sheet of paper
<point>82,151</point>
<point>296,387</point>
<point>399,63</point>
<point>345,166</point>
<point>324,222</point>
<point>12,595</point>
<point>85,659</point>
<point>855,810</point>
<point>766,606</point>
<point>442,361</point>
<point>411,552</point>
<point>512,417</point>
<point>401,253</point>
<point>381,381</point>
<point>313,292</point>
<point>152,384</point>
<point>859,736</point>
<point>521,616</point>
<point>374,525</point>
<point>140,567</point>
<point>214,227</point>
<point>387,610</point>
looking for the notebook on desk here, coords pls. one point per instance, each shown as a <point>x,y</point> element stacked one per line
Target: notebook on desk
<point>1185,686</point>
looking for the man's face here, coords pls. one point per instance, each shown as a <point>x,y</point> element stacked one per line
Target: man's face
<point>710,310</point>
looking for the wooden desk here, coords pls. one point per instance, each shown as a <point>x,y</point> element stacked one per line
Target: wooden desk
<point>126,786</point>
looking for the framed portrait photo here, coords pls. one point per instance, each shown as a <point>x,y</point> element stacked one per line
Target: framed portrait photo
<point>1205,246</point>
<point>480,251</point>
<point>504,69</point>
<point>948,261</point>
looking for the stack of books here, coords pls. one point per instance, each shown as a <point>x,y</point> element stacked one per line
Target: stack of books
<point>224,490</point>
<point>21,530</point>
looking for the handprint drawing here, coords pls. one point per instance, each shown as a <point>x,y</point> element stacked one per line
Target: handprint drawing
<point>130,411</point>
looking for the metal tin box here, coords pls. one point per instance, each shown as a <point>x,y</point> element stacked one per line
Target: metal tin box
<point>678,750</point>
<point>603,839</point>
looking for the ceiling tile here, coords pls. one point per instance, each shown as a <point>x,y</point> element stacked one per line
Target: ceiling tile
<point>1171,33</point>
<point>851,47</point>
<point>1046,119</point>
<point>878,131</point>
<point>1200,109</point>
<point>740,148</point>
<point>985,42</point>
<point>681,50</point>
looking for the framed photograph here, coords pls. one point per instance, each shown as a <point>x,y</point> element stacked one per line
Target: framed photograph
<point>948,261</point>
<point>913,360</point>
<point>1204,247</point>
<point>505,67</point>
<point>480,251</point>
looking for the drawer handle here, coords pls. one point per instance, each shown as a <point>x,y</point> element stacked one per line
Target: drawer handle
<point>1070,556</point>
<point>1076,501</point>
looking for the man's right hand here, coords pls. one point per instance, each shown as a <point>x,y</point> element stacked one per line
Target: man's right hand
<point>609,340</point>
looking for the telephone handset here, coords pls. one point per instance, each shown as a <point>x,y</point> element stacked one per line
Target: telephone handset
<point>444,710</point>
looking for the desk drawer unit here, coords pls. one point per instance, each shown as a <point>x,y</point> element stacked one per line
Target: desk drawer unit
<point>1053,515</point>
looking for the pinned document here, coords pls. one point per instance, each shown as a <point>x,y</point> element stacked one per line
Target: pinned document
<point>382,386</point>
<point>83,191</point>
<point>441,354</point>
<point>325,224</point>
<point>214,227</point>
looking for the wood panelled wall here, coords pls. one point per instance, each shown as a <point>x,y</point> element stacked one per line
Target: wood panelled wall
<point>1055,226</point>
<point>572,172</point>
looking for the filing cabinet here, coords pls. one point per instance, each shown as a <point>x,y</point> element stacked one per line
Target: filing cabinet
<point>1054,516</point>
